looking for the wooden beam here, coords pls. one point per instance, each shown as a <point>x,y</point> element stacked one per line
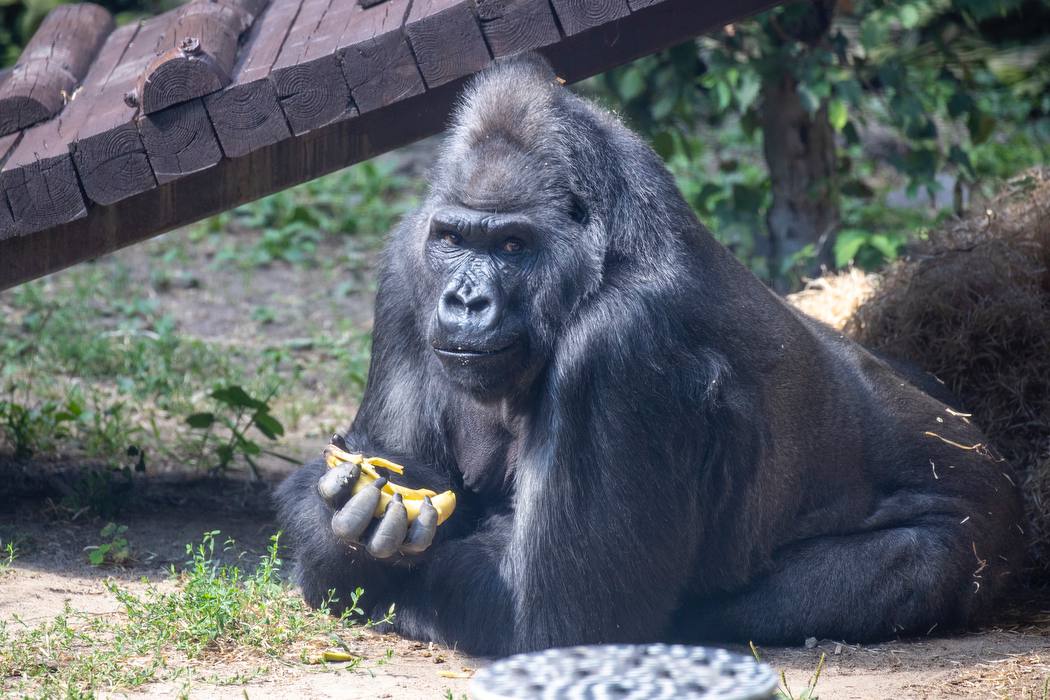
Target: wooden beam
<point>580,15</point>
<point>197,52</point>
<point>246,115</point>
<point>309,81</point>
<point>375,57</point>
<point>446,40</point>
<point>285,162</point>
<point>179,141</point>
<point>107,149</point>
<point>513,26</point>
<point>52,64</point>
<point>231,182</point>
<point>38,175</point>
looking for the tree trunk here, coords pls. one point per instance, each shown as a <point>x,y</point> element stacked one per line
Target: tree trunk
<point>800,153</point>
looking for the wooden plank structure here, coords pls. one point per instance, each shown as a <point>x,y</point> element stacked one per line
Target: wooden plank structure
<point>138,130</point>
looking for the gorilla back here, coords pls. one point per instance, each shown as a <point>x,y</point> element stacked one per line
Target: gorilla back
<point>647,443</point>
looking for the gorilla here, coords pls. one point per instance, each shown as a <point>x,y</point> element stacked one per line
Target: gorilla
<point>646,442</point>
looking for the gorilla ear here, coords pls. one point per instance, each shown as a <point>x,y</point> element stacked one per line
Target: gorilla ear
<point>578,210</point>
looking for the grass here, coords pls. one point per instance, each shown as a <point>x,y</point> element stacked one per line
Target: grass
<point>97,363</point>
<point>245,621</point>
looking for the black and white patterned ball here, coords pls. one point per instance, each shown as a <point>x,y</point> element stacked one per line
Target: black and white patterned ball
<point>626,672</point>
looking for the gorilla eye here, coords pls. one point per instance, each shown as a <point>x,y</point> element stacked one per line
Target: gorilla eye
<point>451,238</point>
<point>513,245</point>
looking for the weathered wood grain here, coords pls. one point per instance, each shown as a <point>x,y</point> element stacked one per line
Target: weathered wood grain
<point>52,64</point>
<point>513,26</point>
<point>579,15</point>
<point>107,149</point>
<point>197,52</point>
<point>179,141</point>
<point>309,81</point>
<point>375,57</point>
<point>7,145</point>
<point>40,193</point>
<point>292,160</point>
<point>38,178</point>
<point>641,4</point>
<point>247,115</point>
<point>446,40</point>
<point>230,183</point>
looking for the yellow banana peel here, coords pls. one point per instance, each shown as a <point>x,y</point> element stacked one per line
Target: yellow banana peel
<point>444,503</point>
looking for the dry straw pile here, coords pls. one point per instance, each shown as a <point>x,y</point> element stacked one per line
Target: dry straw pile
<point>971,304</point>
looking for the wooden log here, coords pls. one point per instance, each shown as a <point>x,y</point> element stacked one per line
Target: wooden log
<point>309,81</point>
<point>179,141</point>
<point>197,52</point>
<point>375,57</point>
<point>38,178</point>
<point>246,115</point>
<point>107,150</point>
<point>513,26</point>
<point>446,40</point>
<point>579,15</point>
<point>41,192</point>
<point>7,145</point>
<point>233,181</point>
<point>53,63</point>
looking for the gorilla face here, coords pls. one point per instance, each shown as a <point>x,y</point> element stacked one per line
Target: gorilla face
<point>478,326</point>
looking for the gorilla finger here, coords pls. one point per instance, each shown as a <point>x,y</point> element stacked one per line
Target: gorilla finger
<point>391,530</point>
<point>336,483</point>
<point>350,521</point>
<point>423,529</point>
<point>340,442</point>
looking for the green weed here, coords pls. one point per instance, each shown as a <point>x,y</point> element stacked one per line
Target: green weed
<point>784,691</point>
<point>8,554</point>
<point>168,634</point>
<point>114,550</point>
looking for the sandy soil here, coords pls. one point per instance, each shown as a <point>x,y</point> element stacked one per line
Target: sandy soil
<point>1009,659</point>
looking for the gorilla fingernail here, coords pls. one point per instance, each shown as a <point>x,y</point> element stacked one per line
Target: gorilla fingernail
<point>334,485</point>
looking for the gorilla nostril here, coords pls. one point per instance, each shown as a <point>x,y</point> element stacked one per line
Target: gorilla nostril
<point>453,300</point>
<point>478,304</point>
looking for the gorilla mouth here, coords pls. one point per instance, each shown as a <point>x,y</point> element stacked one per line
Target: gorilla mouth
<point>465,353</point>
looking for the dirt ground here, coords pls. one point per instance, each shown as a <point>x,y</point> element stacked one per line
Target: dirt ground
<point>1008,659</point>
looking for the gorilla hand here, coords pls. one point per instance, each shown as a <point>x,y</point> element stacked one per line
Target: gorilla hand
<point>407,518</point>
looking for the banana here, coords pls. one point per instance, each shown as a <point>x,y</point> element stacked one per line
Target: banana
<point>444,503</point>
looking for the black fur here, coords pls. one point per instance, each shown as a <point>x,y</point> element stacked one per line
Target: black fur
<point>669,451</point>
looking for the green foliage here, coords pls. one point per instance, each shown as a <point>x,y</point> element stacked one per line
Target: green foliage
<point>170,635</point>
<point>237,412</point>
<point>8,554</point>
<point>362,202</point>
<point>114,549</point>
<point>920,93</point>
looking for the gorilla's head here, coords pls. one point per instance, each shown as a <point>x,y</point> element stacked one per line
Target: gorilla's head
<point>508,247</point>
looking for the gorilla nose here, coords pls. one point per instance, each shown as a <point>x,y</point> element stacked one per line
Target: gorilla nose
<point>465,311</point>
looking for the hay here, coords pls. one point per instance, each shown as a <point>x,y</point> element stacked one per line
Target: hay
<point>971,304</point>
<point>834,297</point>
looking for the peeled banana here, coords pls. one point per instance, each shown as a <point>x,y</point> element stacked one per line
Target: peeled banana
<point>413,499</point>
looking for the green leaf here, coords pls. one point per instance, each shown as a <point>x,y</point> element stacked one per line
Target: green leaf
<point>96,556</point>
<point>236,397</point>
<point>838,115</point>
<point>632,84</point>
<point>268,425</point>
<point>909,16</point>
<point>848,244</point>
<point>200,420</point>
